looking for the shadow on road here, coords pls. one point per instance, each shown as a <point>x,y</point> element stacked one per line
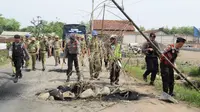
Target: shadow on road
<point>6,73</point>
<point>58,70</point>
<point>10,90</point>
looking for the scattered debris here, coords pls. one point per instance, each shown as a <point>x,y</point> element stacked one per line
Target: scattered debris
<point>166,97</point>
<point>87,90</point>
<point>43,96</point>
<point>105,91</point>
<point>87,93</point>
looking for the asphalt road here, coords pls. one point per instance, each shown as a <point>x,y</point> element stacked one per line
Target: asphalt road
<point>20,97</point>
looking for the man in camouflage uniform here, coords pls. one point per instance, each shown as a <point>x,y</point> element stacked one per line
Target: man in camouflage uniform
<point>33,51</point>
<point>94,56</point>
<point>100,50</point>
<point>83,50</point>
<point>44,48</point>
<point>57,47</point>
<point>106,48</point>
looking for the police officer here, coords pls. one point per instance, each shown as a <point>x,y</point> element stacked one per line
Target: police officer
<point>27,42</point>
<point>83,48</point>
<point>50,41</point>
<point>37,41</point>
<point>100,50</point>
<point>106,48</point>
<point>18,53</point>
<point>44,48</point>
<point>33,51</point>
<point>151,59</point>
<point>115,61</point>
<point>57,47</point>
<point>167,71</point>
<point>94,56</point>
<point>71,52</point>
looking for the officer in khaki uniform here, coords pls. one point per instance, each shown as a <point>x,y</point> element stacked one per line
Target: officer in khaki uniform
<point>57,47</point>
<point>33,50</point>
<point>27,42</point>
<point>94,56</point>
<point>38,44</point>
<point>44,48</point>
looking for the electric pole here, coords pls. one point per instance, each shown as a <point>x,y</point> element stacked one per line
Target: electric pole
<point>92,17</point>
<point>102,25</point>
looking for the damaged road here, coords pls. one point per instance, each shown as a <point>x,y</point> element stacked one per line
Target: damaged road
<point>23,96</point>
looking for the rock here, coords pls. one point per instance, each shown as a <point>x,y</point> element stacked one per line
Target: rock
<point>43,96</point>
<point>51,98</point>
<point>57,94</point>
<point>105,91</point>
<point>97,91</point>
<point>68,94</point>
<point>87,93</point>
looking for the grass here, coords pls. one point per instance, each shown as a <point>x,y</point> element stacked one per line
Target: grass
<point>3,57</point>
<point>195,71</point>
<point>182,93</point>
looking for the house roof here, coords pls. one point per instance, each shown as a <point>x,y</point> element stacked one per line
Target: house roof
<point>113,25</point>
<point>9,34</point>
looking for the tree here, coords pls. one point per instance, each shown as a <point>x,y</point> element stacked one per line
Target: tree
<point>142,28</point>
<point>8,24</point>
<point>28,29</point>
<point>87,24</point>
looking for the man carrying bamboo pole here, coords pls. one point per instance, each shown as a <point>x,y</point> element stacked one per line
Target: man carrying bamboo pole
<point>167,71</point>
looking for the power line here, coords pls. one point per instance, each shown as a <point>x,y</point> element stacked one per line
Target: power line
<point>115,14</point>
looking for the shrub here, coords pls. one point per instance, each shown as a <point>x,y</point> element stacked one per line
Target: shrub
<point>195,71</point>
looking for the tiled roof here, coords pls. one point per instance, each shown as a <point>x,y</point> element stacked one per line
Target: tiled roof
<point>113,25</point>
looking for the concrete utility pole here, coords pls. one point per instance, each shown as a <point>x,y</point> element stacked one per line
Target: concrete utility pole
<point>102,25</point>
<point>92,17</point>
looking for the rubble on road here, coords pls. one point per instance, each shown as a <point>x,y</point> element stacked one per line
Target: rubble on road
<point>88,90</point>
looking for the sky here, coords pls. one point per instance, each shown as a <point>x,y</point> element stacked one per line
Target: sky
<point>147,13</point>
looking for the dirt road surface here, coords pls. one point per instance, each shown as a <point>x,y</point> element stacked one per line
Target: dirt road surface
<point>21,97</point>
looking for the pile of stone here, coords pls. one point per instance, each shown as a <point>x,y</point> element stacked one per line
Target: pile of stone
<point>85,90</point>
<point>80,90</point>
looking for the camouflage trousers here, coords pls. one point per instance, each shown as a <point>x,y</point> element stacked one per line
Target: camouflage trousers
<point>95,65</point>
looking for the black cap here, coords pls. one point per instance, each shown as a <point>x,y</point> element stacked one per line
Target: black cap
<point>180,39</point>
<point>17,36</point>
<point>152,34</point>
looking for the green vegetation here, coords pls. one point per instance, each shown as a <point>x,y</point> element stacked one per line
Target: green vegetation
<point>3,57</point>
<point>8,24</point>
<point>179,30</point>
<point>182,93</point>
<point>195,71</point>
